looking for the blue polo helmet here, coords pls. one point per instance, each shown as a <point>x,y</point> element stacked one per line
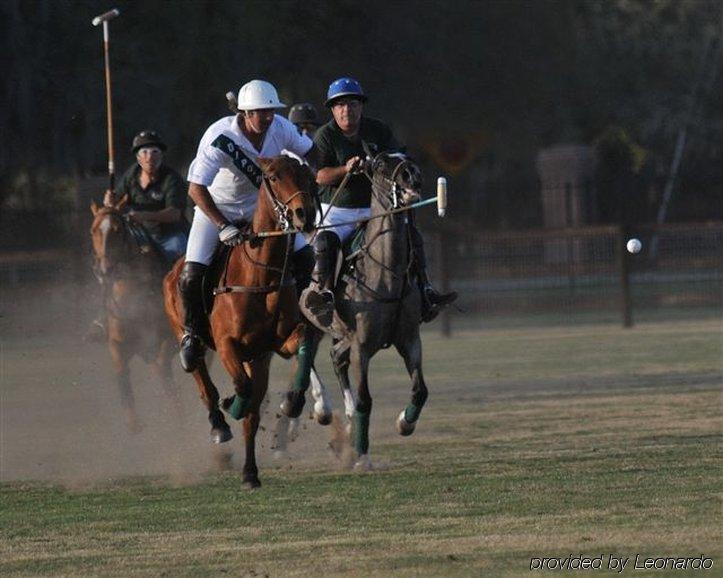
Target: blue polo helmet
<point>344,86</point>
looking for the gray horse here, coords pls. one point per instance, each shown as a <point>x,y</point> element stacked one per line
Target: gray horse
<point>378,299</point>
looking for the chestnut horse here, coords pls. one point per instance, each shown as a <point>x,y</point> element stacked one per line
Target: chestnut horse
<point>131,273</point>
<point>255,312</point>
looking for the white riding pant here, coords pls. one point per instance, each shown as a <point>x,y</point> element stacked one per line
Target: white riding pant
<point>203,238</point>
<point>339,218</point>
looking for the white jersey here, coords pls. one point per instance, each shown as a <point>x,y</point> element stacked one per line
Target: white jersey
<point>226,162</point>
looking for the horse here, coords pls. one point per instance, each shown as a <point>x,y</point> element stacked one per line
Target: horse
<point>131,271</point>
<point>255,311</point>
<point>378,300</point>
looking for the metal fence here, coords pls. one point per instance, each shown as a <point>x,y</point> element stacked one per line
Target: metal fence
<point>569,275</point>
<point>515,277</point>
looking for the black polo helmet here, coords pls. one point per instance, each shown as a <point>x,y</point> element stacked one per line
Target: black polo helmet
<point>147,138</point>
<point>304,113</point>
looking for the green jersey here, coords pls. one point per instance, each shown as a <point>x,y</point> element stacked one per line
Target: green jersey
<point>168,190</point>
<point>335,150</point>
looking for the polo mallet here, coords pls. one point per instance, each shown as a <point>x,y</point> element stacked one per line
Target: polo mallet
<point>104,18</point>
<point>232,103</point>
<point>441,196</point>
<point>440,200</point>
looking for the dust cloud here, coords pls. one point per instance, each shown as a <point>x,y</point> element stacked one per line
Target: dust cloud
<point>61,419</point>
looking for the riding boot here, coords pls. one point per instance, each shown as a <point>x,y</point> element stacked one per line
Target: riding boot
<point>302,262</point>
<point>319,301</point>
<point>432,300</point>
<point>190,288</point>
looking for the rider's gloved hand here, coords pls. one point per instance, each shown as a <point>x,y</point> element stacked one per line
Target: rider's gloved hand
<point>230,235</point>
<point>353,165</point>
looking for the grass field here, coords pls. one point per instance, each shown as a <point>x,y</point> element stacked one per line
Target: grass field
<point>591,440</point>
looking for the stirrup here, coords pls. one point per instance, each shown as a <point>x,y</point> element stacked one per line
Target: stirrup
<point>191,352</point>
<point>437,299</point>
<point>320,304</point>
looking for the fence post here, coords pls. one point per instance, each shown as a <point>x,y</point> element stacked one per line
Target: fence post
<point>624,270</point>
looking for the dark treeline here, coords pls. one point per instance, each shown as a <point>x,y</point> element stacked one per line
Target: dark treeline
<point>497,79</point>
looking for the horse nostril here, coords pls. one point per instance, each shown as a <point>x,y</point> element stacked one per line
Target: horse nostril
<point>300,215</point>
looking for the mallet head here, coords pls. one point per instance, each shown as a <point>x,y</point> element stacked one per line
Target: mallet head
<point>441,196</point>
<point>232,103</point>
<point>105,16</point>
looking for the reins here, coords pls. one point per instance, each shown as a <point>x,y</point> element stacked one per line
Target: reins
<point>281,210</point>
<point>134,239</point>
<point>364,251</point>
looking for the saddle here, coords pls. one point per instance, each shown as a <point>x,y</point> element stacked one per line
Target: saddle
<point>212,276</point>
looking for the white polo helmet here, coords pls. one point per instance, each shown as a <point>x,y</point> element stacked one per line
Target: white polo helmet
<point>258,94</point>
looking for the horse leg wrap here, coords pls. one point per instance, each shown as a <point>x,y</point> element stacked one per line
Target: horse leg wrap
<point>411,413</point>
<point>305,358</point>
<point>360,432</point>
<point>236,406</point>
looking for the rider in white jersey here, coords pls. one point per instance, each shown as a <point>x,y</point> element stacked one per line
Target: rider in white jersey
<point>224,182</point>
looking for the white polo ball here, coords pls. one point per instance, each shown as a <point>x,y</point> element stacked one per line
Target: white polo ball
<point>634,246</point>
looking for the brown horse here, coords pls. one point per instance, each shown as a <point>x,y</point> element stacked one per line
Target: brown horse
<point>131,274</point>
<point>255,312</point>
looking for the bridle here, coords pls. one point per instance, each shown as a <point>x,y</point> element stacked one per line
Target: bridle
<point>284,220</point>
<point>132,241</point>
<point>281,208</point>
<point>386,190</point>
<point>395,194</point>
<point>111,214</point>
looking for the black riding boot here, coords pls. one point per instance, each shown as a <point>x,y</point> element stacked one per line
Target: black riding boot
<point>190,287</point>
<point>432,300</point>
<point>320,302</point>
<point>302,262</point>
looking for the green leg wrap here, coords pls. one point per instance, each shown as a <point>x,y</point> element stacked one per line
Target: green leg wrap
<point>239,407</point>
<point>305,356</point>
<point>411,413</point>
<point>360,432</point>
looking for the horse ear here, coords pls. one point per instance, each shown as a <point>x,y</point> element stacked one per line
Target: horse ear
<point>264,162</point>
<point>94,208</point>
<point>122,203</point>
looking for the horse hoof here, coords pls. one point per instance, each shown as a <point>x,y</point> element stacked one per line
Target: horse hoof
<point>404,428</point>
<point>293,405</point>
<point>252,483</point>
<point>323,418</point>
<point>363,464</point>
<point>322,413</point>
<point>221,435</point>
